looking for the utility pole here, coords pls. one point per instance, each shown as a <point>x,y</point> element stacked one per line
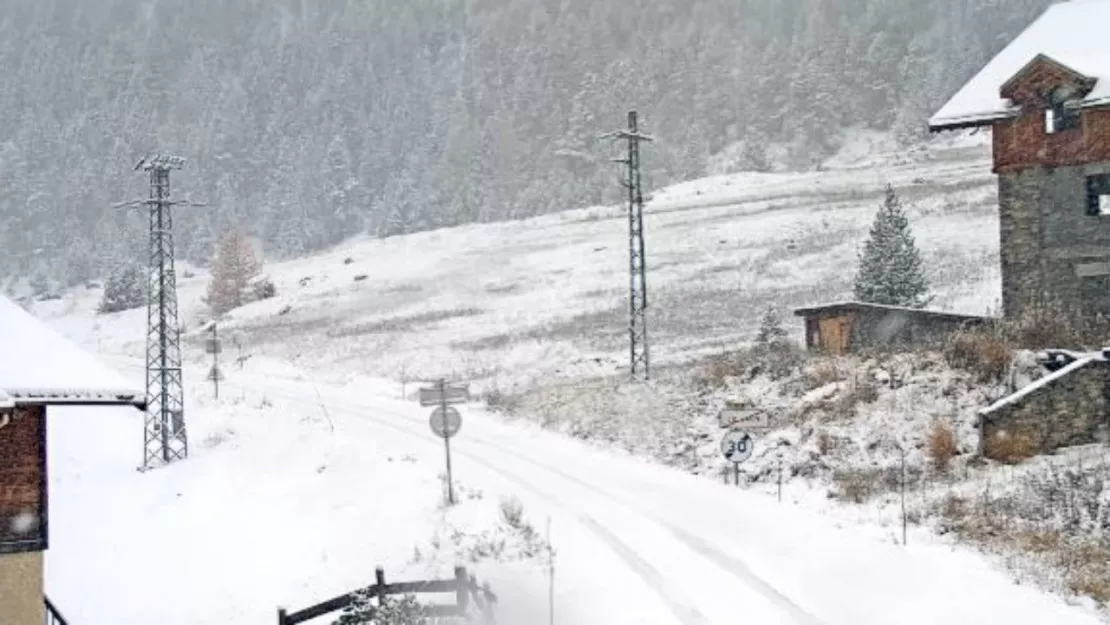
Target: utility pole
<point>447,442</point>
<point>165,438</point>
<point>214,347</point>
<point>637,256</point>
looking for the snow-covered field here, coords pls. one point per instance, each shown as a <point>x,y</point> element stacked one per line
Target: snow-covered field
<point>519,301</point>
<point>311,469</point>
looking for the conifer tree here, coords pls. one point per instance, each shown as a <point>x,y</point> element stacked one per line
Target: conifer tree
<point>891,270</point>
<point>770,327</point>
<point>123,290</point>
<point>233,269</point>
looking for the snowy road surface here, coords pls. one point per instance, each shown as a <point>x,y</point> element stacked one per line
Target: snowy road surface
<point>641,544</point>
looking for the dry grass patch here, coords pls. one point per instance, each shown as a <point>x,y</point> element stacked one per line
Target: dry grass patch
<point>941,445</point>
<point>983,352</point>
<point>1010,447</point>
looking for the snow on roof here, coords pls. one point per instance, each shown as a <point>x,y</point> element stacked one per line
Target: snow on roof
<point>37,365</point>
<point>1043,382</point>
<point>1071,33</point>
<point>853,305</point>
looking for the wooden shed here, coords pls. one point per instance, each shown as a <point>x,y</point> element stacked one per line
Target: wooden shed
<point>842,327</point>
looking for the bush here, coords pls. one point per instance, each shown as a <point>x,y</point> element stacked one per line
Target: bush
<point>983,352</point>
<point>942,446</point>
<point>777,360</point>
<point>123,290</point>
<point>262,288</point>
<point>1010,447</point>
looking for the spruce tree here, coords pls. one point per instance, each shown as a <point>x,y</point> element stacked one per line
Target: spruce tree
<point>770,328</point>
<point>890,267</point>
<point>123,290</point>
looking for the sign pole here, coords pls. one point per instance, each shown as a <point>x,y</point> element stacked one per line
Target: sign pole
<point>447,442</point>
<point>216,359</point>
<point>735,473</point>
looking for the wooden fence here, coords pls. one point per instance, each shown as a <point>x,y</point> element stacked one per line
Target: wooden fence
<point>464,587</point>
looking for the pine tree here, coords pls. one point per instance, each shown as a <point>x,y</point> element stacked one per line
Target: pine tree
<point>890,267</point>
<point>770,327</point>
<point>233,269</point>
<point>123,290</point>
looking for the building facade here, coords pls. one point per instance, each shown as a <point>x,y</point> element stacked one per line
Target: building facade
<point>1046,99</point>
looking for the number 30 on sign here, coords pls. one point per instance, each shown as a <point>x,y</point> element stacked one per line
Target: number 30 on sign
<point>737,446</point>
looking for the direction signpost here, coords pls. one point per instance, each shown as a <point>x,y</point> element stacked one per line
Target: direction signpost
<point>737,446</point>
<point>445,420</point>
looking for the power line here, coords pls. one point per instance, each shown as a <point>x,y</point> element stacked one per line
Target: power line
<point>164,439</point>
<point>637,256</point>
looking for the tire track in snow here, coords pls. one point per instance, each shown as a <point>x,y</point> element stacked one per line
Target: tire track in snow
<point>689,616</point>
<point>678,604</point>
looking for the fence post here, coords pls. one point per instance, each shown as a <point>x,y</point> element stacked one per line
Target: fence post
<point>462,590</point>
<point>283,618</point>
<point>379,578</point>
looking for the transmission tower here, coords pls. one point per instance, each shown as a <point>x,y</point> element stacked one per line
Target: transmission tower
<point>637,258</point>
<point>165,439</point>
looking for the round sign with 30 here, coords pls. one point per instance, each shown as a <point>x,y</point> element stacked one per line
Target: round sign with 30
<point>737,446</point>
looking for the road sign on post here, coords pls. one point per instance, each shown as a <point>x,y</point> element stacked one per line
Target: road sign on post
<point>444,394</point>
<point>737,446</point>
<point>445,422</point>
<point>748,420</point>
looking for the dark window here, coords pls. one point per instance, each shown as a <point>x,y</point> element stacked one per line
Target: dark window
<point>1098,194</point>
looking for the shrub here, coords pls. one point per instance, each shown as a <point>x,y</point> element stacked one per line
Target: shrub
<point>983,352</point>
<point>123,290</point>
<point>942,446</point>
<point>262,288</point>
<point>1010,447</point>
<point>857,485</point>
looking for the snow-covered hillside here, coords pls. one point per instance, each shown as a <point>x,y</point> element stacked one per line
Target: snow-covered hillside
<point>311,469</point>
<point>513,302</point>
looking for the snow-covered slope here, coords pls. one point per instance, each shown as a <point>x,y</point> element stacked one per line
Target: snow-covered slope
<point>512,301</point>
<point>310,470</point>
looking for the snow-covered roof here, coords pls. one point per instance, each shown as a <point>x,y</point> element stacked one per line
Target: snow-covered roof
<point>1024,392</point>
<point>836,307</point>
<point>1071,33</point>
<point>39,366</point>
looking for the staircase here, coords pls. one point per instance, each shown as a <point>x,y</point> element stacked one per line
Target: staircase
<point>53,616</point>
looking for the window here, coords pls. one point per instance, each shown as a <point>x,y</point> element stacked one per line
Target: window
<point>1059,116</point>
<point>1098,194</point>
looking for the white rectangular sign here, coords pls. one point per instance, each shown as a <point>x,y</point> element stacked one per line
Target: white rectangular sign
<point>745,419</point>
<point>454,395</point>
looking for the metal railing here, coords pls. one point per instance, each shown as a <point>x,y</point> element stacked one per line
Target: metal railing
<point>53,616</point>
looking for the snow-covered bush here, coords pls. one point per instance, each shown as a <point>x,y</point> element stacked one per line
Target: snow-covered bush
<point>366,610</point>
<point>124,289</point>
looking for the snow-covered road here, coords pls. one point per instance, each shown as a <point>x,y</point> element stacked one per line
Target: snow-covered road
<point>671,548</point>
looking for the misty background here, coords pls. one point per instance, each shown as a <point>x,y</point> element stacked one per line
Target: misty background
<point>308,121</point>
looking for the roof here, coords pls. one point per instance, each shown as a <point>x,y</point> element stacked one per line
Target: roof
<point>1024,392</point>
<point>39,366</point>
<point>1071,33</point>
<point>853,306</point>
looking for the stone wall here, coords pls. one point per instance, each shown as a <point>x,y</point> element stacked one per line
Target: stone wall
<point>1072,410</point>
<point>1052,251</point>
<point>903,327</point>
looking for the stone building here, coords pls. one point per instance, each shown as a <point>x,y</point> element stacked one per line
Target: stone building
<point>843,327</point>
<point>38,371</point>
<point>1046,98</point>
<point>1069,406</point>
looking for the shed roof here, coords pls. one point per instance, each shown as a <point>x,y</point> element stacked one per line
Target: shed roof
<point>853,306</point>
<point>39,366</point>
<point>1070,33</point>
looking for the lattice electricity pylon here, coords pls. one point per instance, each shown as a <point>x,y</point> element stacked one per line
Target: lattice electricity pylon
<point>637,255</point>
<point>165,438</point>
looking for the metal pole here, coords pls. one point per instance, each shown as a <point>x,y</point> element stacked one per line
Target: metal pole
<point>780,477</point>
<point>735,473</point>
<point>446,441</point>
<point>551,577</point>
<point>902,449</point>
<point>216,359</point>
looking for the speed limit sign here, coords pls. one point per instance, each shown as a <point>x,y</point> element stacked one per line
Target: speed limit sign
<point>737,446</point>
